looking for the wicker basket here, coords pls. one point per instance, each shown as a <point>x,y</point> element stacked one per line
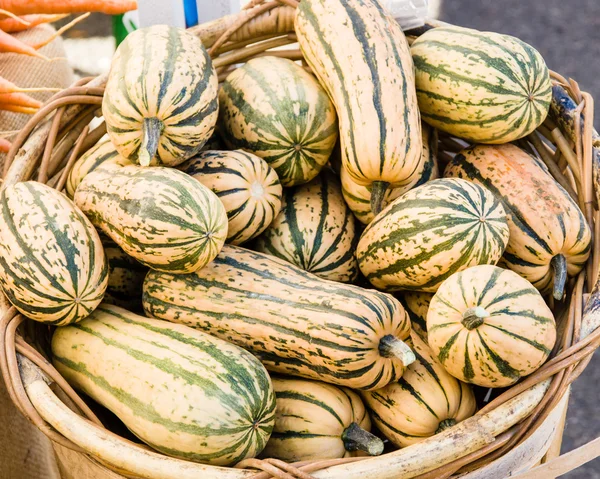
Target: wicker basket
<point>510,434</point>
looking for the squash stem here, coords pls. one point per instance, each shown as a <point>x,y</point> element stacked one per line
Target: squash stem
<point>392,347</point>
<point>474,317</point>
<point>559,265</point>
<point>357,439</point>
<point>378,190</point>
<point>152,128</point>
<point>445,424</point>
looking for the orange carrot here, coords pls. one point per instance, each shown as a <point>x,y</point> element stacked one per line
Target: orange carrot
<point>25,7</point>
<point>21,99</point>
<point>17,108</point>
<point>4,145</point>
<point>14,17</point>
<point>7,86</point>
<point>60,31</point>
<point>10,25</point>
<point>8,43</point>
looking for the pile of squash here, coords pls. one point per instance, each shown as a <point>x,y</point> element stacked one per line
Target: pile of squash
<point>373,291</point>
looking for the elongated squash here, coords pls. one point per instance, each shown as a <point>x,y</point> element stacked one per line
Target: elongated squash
<point>430,233</point>
<point>361,57</point>
<point>183,392</point>
<point>293,321</point>
<point>314,420</point>
<point>246,185</point>
<point>162,217</point>
<point>425,401</point>
<point>99,156</point>
<point>489,326</point>
<point>160,104</point>
<point>276,110</point>
<point>416,305</point>
<point>549,236</point>
<point>481,86</point>
<point>52,265</point>
<point>358,197</point>
<point>315,230</point>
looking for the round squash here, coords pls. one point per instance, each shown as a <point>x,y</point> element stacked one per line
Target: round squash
<point>275,109</point>
<point>425,401</point>
<point>246,185</point>
<point>52,265</point>
<point>489,326</point>
<point>431,232</point>
<point>314,420</point>
<point>315,230</point>
<point>160,104</point>
<point>481,86</point>
<point>549,236</point>
<point>416,305</point>
<point>358,197</point>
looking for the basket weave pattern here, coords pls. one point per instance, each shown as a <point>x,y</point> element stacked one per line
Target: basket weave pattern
<point>47,147</point>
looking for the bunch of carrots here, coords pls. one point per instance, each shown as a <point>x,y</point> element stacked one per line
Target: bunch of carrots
<point>20,15</point>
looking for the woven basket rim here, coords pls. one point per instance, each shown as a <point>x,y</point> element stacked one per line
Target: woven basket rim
<point>59,133</point>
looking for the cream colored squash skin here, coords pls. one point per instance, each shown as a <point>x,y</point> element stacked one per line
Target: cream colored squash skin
<point>416,305</point>
<point>549,236</point>
<point>424,402</point>
<point>315,420</point>
<point>489,326</point>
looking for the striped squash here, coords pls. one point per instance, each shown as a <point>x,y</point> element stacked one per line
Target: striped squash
<point>549,236</point>
<point>246,185</point>
<point>315,230</point>
<point>275,109</point>
<point>160,104</point>
<point>314,420</point>
<point>125,277</point>
<point>430,233</point>
<point>358,197</point>
<point>101,155</point>
<point>424,402</point>
<point>160,216</point>
<point>489,326</point>
<point>361,57</point>
<point>293,321</point>
<point>52,266</point>
<point>183,392</point>
<point>416,305</point>
<point>482,86</point>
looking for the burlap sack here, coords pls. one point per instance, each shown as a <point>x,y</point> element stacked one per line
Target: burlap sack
<point>25,453</point>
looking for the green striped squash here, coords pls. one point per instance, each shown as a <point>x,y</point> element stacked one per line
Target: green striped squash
<point>489,326</point>
<point>160,104</point>
<point>482,86</point>
<point>361,57</point>
<point>314,420</point>
<point>358,197</point>
<point>293,321</point>
<point>246,185</point>
<point>416,305</point>
<point>275,109</point>
<point>183,392</point>
<point>162,217</point>
<point>100,155</point>
<point>125,277</point>
<point>549,236</point>
<point>315,230</point>
<point>52,265</point>
<point>424,402</point>
<point>430,233</point>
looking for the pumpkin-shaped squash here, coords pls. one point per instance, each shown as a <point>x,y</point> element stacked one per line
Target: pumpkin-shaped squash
<point>549,236</point>
<point>315,230</point>
<point>482,86</point>
<point>160,104</point>
<point>431,232</point>
<point>275,109</point>
<point>52,265</point>
<point>358,197</point>
<point>99,156</point>
<point>423,402</point>
<point>416,305</point>
<point>489,326</point>
<point>315,420</point>
<point>246,185</point>
<point>162,217</point>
